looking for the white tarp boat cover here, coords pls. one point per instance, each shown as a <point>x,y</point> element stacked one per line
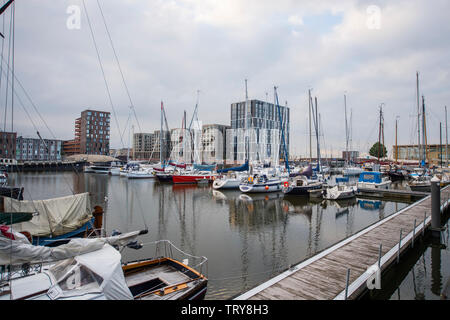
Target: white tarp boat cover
<point>99,271</point>
<point>15,248</point>
<point>84,266</point>
<point>55,217</point>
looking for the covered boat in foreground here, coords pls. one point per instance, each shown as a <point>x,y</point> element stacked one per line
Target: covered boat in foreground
<point>91,269</point>
<point>56,219</point>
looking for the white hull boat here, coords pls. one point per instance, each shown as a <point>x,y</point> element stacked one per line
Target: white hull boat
<point>261,185</point>
<point>340,192</point>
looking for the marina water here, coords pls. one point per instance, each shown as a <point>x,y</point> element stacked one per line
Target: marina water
<point>247,239</point>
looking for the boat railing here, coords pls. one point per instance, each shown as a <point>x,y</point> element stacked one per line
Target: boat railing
<point>165,248</point>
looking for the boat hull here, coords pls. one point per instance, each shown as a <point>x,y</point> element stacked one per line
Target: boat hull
<point>226,184</point>
<point>190,179</point>
<point>260,187</point>
<point>164,177</point>
<point>300,190</point>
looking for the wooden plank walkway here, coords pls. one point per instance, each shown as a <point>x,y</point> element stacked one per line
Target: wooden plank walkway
<point>324,276</point>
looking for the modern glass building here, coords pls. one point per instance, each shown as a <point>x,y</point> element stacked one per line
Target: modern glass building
<point>256,132</point>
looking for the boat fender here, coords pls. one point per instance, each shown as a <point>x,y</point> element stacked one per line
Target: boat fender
<point>267,187</point>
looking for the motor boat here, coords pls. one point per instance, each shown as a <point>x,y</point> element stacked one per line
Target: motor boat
<point>373,180</point>
<point>339,192</point>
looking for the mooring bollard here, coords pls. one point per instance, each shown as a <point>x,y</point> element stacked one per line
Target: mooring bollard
<point>346,284</point>
<point>435,207</point>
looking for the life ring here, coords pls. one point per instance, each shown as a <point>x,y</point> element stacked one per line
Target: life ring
<point>286,184</point>
<point>250,179</point>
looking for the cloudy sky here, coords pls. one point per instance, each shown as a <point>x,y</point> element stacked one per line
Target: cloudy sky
<point>169,49</point>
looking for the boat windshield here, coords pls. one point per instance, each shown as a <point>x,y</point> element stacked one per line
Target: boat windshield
<point>73,278</point>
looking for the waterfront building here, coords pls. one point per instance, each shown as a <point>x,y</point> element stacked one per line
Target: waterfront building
<point>213,142</point>
<point>91,134</point>
<point>35,149</point>
<point>256,132</point>
<point>411,152</point>
<point>8,145</point>
<point>142,146</point>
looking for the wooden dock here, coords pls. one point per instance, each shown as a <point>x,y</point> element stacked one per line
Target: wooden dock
<point>324,276</point>
<point>391,194</point>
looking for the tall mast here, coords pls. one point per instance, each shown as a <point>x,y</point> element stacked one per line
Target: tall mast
<point>310,136</point>
<point>440,141</point>
<point>317,136</point>
<point>346,129</point>
<point>446,139</point>
<point>160,137</point>
<point>418,115</point>
<point>286,155</point>
<point>379,137</point>
<point>396,144</point>
<point>424,131</point>
<point>245,124</point>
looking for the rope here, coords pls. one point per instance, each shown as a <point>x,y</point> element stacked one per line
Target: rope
<point>103,73</point>
<point>118,64</point>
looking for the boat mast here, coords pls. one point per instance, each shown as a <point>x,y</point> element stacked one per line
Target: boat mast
<point>424,154</point>
<point>310,135</point>
<point>440,141</point>
<point>246,146</point>
<point>160,137</point>
<point>396,144</point>
<point>346,130</point>
<point>418,114</point>
<point>379,136</point>
<point>286,156</point>
<point>446,139</point>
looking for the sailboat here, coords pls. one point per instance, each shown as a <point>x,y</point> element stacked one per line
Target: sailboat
<point>349,170</point>
<point>421,182</point>
<point>232,178</point>
<point>304,184</point>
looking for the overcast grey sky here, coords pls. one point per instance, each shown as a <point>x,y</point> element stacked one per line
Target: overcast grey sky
<point>169,49</point>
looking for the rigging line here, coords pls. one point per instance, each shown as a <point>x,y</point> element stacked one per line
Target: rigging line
<point>36,128</point>
<point>35,109</point>
<point>3,45</point>
<point>7,75</point>
<point>103,72</point>
<point>13,46</point>
<point>118,64</point>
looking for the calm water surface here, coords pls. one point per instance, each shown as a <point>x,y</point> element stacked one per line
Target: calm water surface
<point>247,239</point>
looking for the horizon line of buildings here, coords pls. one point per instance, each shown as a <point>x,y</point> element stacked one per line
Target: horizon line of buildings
<point>254,133</point>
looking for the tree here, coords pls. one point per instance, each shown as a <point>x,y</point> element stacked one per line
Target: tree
<point>378,150</point>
